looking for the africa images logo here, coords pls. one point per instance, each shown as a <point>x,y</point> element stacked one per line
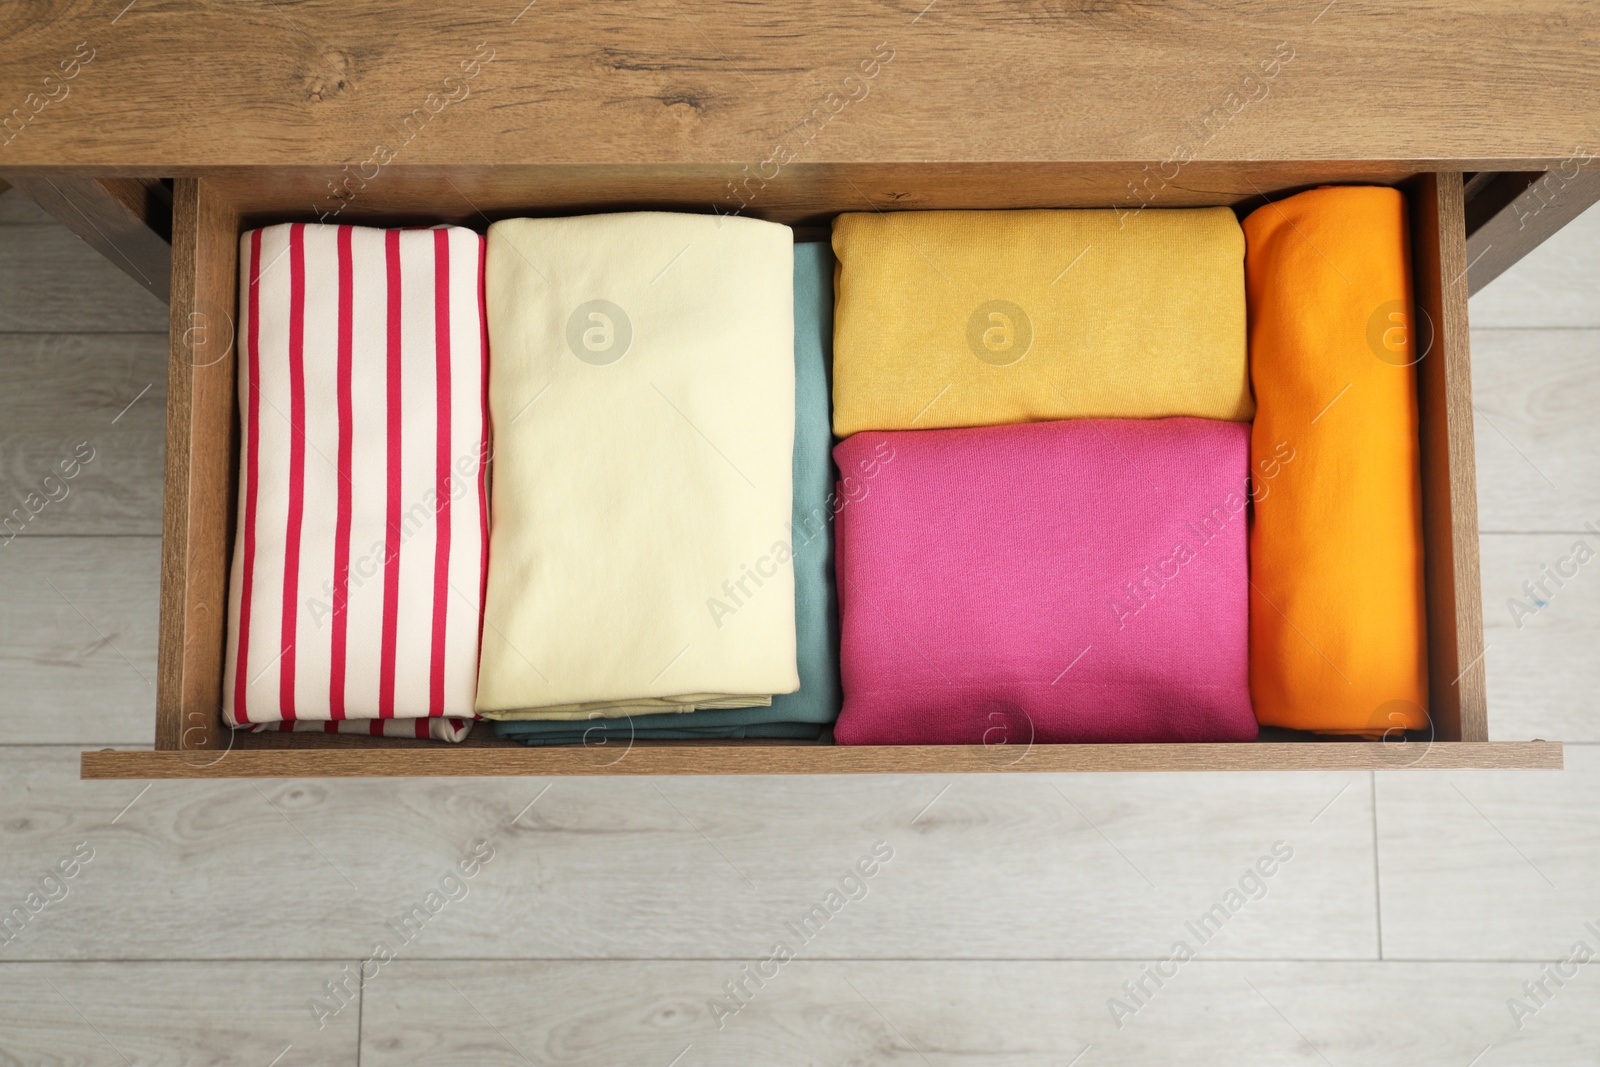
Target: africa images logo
<point>1398,334</point>
<point>999,332</point>
<point>599,332</point>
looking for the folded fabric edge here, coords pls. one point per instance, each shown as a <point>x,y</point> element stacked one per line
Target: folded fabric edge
<point>608,732</point>
<point>623,709</point>
<point>437,728</point>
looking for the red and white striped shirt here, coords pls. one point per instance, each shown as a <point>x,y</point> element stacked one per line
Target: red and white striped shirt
<point>358,571</point>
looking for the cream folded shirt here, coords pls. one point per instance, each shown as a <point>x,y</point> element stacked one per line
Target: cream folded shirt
<point>641,399</point>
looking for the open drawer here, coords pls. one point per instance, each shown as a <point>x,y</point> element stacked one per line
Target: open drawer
<point>210,212</point>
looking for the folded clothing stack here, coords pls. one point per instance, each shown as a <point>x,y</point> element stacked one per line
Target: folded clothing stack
<point>643,401</point>
<point>359,564</point>
<point>1009,577</point>
<point>803,713</point>
<point>1074,581</point>
<point>1042,498</point>
<point>1337,617</point>
<point>982,318</point>
<point>439,729</point>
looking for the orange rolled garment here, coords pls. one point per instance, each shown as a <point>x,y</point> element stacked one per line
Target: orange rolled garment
<point>1337,619</point>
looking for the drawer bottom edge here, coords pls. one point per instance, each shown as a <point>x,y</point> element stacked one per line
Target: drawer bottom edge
<point>425,759</point>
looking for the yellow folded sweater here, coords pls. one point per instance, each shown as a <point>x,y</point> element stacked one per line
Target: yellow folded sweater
<point>974,318</point>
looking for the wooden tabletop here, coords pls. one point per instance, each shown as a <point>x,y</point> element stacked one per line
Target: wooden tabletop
<point>170,86</point>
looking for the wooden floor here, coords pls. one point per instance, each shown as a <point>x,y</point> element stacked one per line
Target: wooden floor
<point>1015,921</point>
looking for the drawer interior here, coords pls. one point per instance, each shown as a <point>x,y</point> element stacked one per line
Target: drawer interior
<point>210,211</point>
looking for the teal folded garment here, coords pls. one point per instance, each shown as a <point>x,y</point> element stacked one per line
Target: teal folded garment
<point>615,732</point>
<point>791,715</point>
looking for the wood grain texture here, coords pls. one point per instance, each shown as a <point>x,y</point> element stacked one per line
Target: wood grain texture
<point>1535,394</point>
<point>78,639</point>
<point>114,217</point>
<point>170,1014</point>
<point>1456,691</point>
<point>202,449</point>
<point>1490,866</point>
<point>45,272</point>
<point>67,396</point>
<point>983,867</point>
<point>801,193</point>
<point>1548,203</point>
<point>1554,289</point>
<point>912,1012</point>
<point>1544,676</point>
<point>312,759</point>
<point>149,200</point>
<point>723,82</point>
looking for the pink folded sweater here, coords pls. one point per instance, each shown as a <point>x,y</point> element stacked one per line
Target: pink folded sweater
<point>1081,581</point>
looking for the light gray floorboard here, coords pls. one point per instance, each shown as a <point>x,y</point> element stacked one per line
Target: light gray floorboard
<point>15,208</point>
<point>82,433</point>
<point>1543,659</point>
<point>78,639</point>
<point>1043,1014</point>
<point>1098,866</point>
<point>1492,864</point>
<point>55,283</point>
<point>171,1014</point>
<point>1537,393</point>
<point>1557,286</point>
